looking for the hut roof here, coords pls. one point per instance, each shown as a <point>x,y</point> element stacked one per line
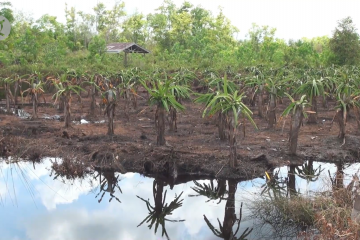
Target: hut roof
<point>125,47</point>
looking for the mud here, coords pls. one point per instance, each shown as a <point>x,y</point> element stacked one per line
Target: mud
<point>194,149</point>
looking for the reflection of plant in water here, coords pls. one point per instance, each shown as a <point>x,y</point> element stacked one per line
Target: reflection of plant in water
<point>226,229</point>
<point>209,191</point>
<point>338,180</point>
<point>307,171</point>
<point>71,169</point>
<point>275,184</point>
<point>282,217</point>
<point>157,214</point>
<point>16,170</point>
<point>108,184</point>
<point>280,186</point>
<point>291,182</point>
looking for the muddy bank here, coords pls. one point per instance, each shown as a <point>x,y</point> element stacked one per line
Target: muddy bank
<point>194,149</point>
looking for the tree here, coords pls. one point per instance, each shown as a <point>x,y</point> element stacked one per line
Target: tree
<point>109,97</point>
<point>345,43</point>
<point>347,95</point>
<point>127,88</point>
<point>95,82</point>
<point>162,96</point>
<point>257,84</point>
<point>97,47</point>
<point>71,27</point>
<point>217,86</point>
<point>180,92</point>
<point>85,27</point>
<point>313,88</point>
<point>134,29</point>
<point>64,89</point>
<point>7,82</point>
<point>296,108</point>
<point>274,85</point>
<point>113,21</point>
<point>28,44</point>
<point>100,16</point>
<point>232,107</point>
<point>6,11</point>
<point>34,90</point>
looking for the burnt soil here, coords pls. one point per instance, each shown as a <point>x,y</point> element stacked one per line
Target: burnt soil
<point>194,149</point>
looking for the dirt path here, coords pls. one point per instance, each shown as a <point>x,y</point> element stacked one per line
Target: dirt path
<point>193,149</point>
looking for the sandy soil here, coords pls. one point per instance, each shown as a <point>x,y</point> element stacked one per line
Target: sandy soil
<point>194,149</point>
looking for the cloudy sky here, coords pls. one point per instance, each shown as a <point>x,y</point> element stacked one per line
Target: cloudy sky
<point>293,19</point>
<point>34,206</point>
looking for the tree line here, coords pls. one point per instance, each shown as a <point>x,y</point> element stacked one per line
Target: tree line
<point>186,35</point>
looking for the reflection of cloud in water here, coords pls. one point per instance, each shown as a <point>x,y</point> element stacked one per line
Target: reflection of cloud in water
<point>119,221</point>
<point>74,224</point>
<point>70,212</point>
<point>54,192</point>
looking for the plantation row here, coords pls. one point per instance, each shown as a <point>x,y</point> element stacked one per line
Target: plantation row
<point>224,95</point>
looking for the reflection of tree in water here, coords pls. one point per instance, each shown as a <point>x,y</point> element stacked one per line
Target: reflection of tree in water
<point>307,171</point>
<point>157,214</point>
<point>274,185</point>
<point>291,182</point>
<point>69,169</point>
<point>337,181</point>
<point>283,214</point>
<point>108,183</point>
<point>226,229</point>
<point>210,191</point>
<point>72,169</point>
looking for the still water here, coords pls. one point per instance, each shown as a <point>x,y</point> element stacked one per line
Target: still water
<point>35,206</point>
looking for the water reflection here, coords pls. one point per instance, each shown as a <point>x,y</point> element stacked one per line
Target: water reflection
<point>291,183</point>
<point>158,214</point>
<point>308,173</point>
<point>275,185</point>
<point>337,181</point>
<point>225,230</point>
<point>65,207</point>
<point>108,183</point>
<point>208,190</point>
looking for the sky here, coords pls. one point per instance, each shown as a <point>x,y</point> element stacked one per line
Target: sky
<point>34,206</point>
<point>293,19</point>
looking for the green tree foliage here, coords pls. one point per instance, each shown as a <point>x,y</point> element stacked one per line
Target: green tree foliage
<point>71,28</point>
<point>6,11</point>
<point>134,29</point>
<point>28,44</point>
<point>97,47</point>
<point>177,35</point>
<point>345,43</point>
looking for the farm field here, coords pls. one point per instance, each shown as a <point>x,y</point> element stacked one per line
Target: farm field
<point>195,148</point>
<point>242,135</point>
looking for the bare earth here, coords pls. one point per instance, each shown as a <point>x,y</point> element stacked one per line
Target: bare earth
<point>193,150</point>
